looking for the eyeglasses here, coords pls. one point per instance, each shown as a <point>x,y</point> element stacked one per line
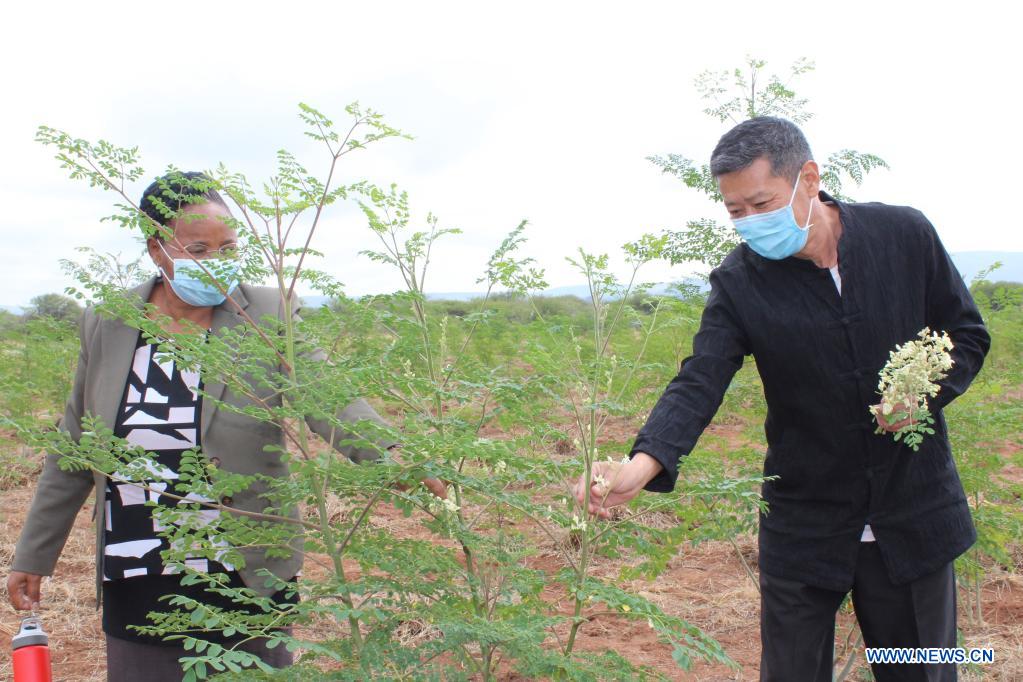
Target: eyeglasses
<point>200,251</point>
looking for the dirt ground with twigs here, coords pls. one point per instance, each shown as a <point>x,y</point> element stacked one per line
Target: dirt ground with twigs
<point>705,585</point>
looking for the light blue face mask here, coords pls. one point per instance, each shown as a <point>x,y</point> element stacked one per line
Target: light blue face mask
<point>775,234</point>
<point>191,284</point>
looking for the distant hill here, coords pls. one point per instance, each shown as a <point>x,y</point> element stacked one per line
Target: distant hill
<point>579,291</point>
<point>970,263</point>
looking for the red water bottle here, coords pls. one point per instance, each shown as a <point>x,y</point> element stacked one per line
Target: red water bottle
<point>31,652</point>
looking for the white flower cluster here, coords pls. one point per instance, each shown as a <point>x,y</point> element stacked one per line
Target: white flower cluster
<point>438,505</point>
<point>612,469</point>
<point>913,370</point>
<point>909,378</point>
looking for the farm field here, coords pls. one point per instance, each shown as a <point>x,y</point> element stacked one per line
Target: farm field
<point>705,579</point>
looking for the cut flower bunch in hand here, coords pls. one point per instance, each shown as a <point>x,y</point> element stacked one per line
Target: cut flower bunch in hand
<point>907,380</point>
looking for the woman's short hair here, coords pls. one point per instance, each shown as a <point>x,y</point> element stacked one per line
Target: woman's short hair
<point>164,198</point>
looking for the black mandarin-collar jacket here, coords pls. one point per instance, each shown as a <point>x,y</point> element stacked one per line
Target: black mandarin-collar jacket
<point>819,355</point>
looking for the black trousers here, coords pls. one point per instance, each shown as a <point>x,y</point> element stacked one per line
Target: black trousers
<point>797,622</point>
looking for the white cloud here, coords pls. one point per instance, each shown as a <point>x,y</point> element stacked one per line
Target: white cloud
<point>542,111</point>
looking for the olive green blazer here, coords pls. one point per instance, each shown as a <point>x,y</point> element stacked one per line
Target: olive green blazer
<point>230,440</point>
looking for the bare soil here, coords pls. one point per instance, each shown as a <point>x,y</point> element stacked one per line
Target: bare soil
<point>705,585</point>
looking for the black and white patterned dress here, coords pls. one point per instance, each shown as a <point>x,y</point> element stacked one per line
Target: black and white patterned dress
<point>160,411</point>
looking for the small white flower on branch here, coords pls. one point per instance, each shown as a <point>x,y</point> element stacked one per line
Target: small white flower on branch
<point>438,506</point>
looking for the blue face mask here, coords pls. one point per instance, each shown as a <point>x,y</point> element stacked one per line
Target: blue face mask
<point>775,234</point>
<point>191,284</point>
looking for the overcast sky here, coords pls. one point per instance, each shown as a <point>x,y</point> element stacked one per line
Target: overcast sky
<point>540,111</point>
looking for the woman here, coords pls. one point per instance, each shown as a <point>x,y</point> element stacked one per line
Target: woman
<point>145,399</point>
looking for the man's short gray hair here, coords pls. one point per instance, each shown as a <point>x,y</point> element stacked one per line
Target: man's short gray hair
<point>776,139</point>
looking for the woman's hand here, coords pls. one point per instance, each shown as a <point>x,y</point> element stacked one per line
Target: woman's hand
<point>434,485</point>
<point>437,487</point>
<point>23,590</point>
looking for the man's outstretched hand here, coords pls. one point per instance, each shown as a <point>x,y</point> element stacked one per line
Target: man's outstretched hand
<point>623,482</point>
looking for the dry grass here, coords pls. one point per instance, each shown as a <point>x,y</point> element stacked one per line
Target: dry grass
<point>706,585</point>
<point>68,605</point>
<point>18,465</point>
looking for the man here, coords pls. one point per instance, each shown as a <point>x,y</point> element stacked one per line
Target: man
<point>818,294</point>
